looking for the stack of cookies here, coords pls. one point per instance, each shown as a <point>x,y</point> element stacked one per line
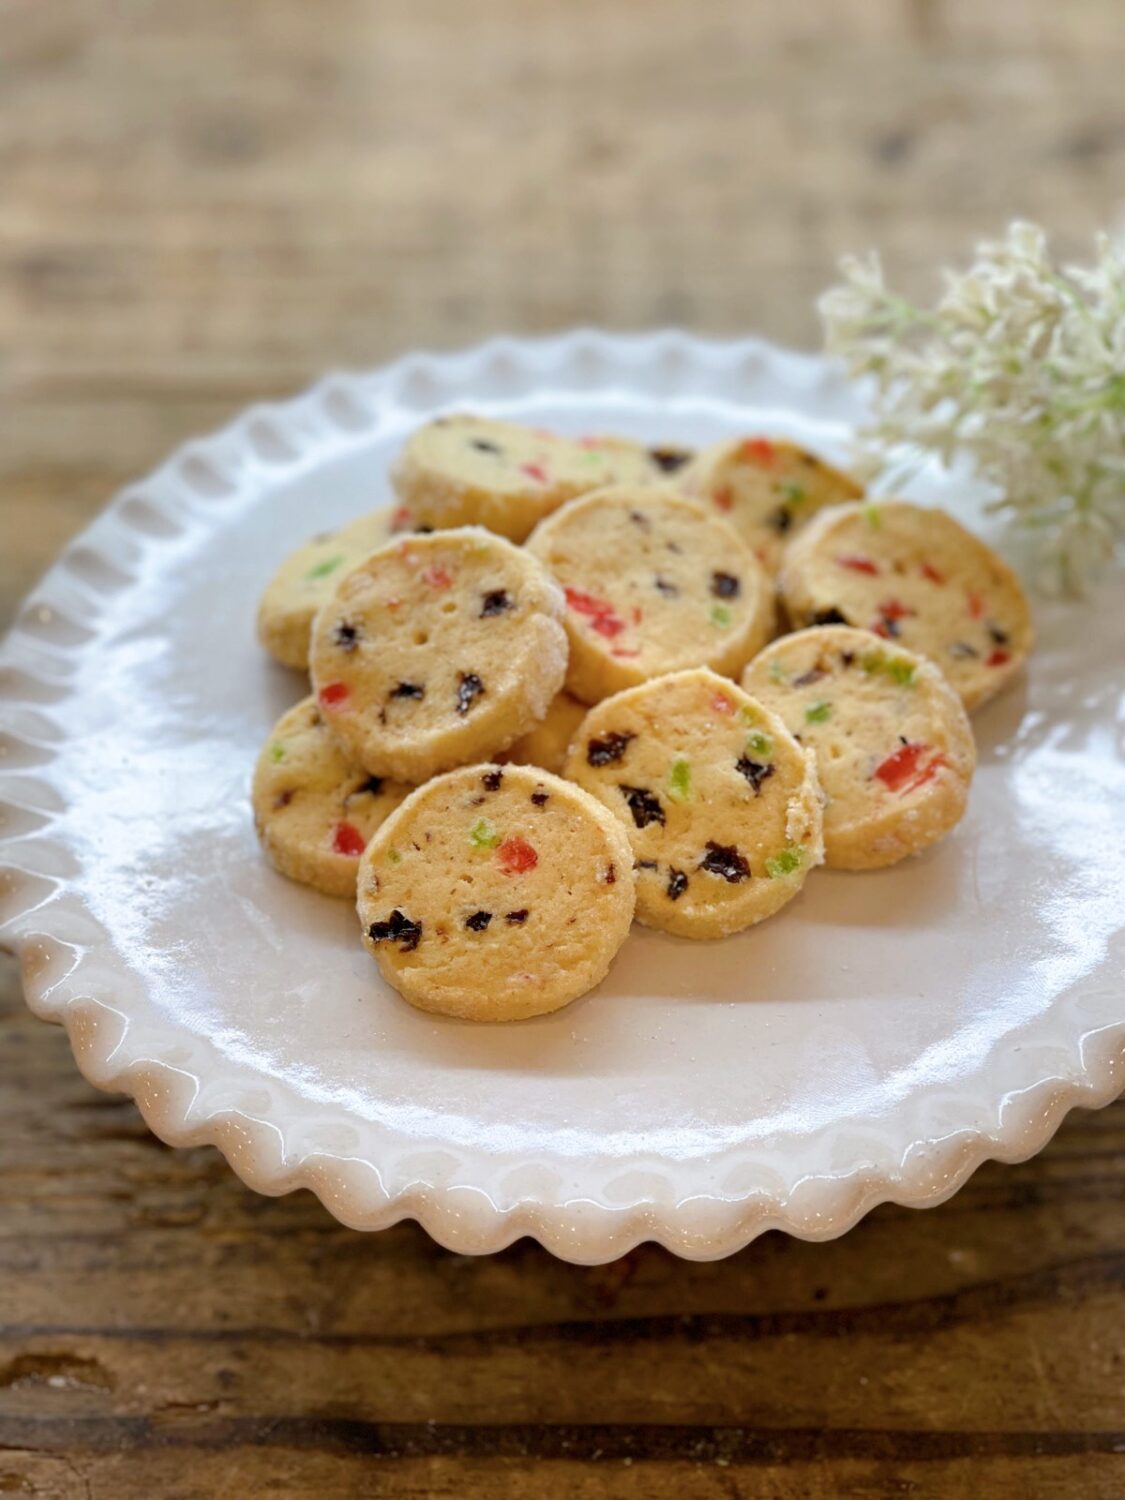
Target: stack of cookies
<point>549,694</point>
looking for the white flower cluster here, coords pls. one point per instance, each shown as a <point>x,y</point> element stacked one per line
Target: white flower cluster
<point>1020,365</point>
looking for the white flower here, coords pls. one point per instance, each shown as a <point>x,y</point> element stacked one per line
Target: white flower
<point>1020,365</point>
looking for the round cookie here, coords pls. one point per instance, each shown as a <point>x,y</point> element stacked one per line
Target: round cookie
<point>894,751</point>
<point>914,575</point>
<point>313,808</point>
<point>438,650</point>
<point>465,470</point>
<point>496,893</point>
<point>721,805</point>
<point>307,577</point>
<point>767,488</point>
<point>546,745</point>
<point>653,584</point>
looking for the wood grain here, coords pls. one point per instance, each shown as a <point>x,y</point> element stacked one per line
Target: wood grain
<point>207,204</point>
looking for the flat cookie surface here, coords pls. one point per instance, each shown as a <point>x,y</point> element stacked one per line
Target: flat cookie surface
<point>547,744</point>
<point>653,584</point>
<point>893,747</point>
<point>465,470</point>
<point>438,650</point>
<point>914,575</point>
<point>314,809</point>
<point>721,805</point>
<point>306,579</point>
<point>496,893</point>
<point>767,488</point>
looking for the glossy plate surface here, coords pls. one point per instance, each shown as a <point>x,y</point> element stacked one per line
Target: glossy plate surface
<point>876,1040</point>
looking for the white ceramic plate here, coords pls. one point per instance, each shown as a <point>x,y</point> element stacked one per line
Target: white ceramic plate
<point>876,1040</point>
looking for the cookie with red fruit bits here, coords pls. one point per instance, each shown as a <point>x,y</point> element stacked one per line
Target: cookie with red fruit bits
<point>654,584</point>
<point>306,580</point>
<point>894,750</point>
<point>721,804</point>
<point>438,650</point>
<point>466,470</point>
<point>767,488</point>
<point>914,575</point>
<point>495,893</point>
<point>314,809</point>
<point>547,744</point>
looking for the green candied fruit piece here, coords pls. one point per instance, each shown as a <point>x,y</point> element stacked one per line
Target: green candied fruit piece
<point>322,569</point>
<point>872,662</point>
<point>483,835</point>
<point>720,615</point>
<point>277,752</point>
<point>679,781</point>
<point>900,671</point>
<point>818,713</point>
<point>759,744</point>
<point>777,671</point>
<point>793,492</point>
<point>873,516</point>
<point>786,862</point>
<point>394,857</point>
<point>747,714</point>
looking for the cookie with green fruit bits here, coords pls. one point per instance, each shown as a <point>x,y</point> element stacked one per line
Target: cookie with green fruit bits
<point>496,893</point>
<point>306,580</point>
<point>314,809</point>
<point>653,584</point>
<point>463,470</point>
<point>720,803</point>
<point>767,488</point>
<point>894,750</point>
<point>915,576</point>
<point>438,650</point>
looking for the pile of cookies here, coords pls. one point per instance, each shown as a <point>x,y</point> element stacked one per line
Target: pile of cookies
<point>549,693</point>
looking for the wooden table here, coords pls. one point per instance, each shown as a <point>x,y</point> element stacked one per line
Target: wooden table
<point>209,202</point>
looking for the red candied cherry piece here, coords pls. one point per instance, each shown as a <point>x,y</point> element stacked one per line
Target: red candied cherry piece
<point>437,576</point>
<point>332,694</point>
<point>401,519</point>
<point>534,471</point>
<point>975,606</point>
<point>894,609</point>
<point>724,498</point>
<point>998,658</point>
<point>902,770</point>
<point>930,572</point>
<point>347,839</point>
<point>760,450</point>
<point>858,564</point>
<point>722,705</point>
<point>516,856</point>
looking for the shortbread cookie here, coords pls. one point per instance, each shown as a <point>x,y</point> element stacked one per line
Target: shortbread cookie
<point>916,576</point>
<point>546,745</point>
<point>653,584</point>
<point>721,805</point>
<point>465,470</point>
<point>438,650</point>
<point>767,488</point>
<point>307,578</point>
<point>496,893</point>
<point>894,751</point>
<point>313,808</point>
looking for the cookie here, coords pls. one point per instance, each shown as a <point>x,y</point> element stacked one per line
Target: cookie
<point>653,584</point>
<point>894,751</point>
<point>307,578</point>
<point>465,470</point>
<point>496,893</point>
<point>767,488</point>
<point>546,745</point>
<point>721,805</point>
<point>916,576</point>
<point>314,809</point>
<point>438,650</point>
